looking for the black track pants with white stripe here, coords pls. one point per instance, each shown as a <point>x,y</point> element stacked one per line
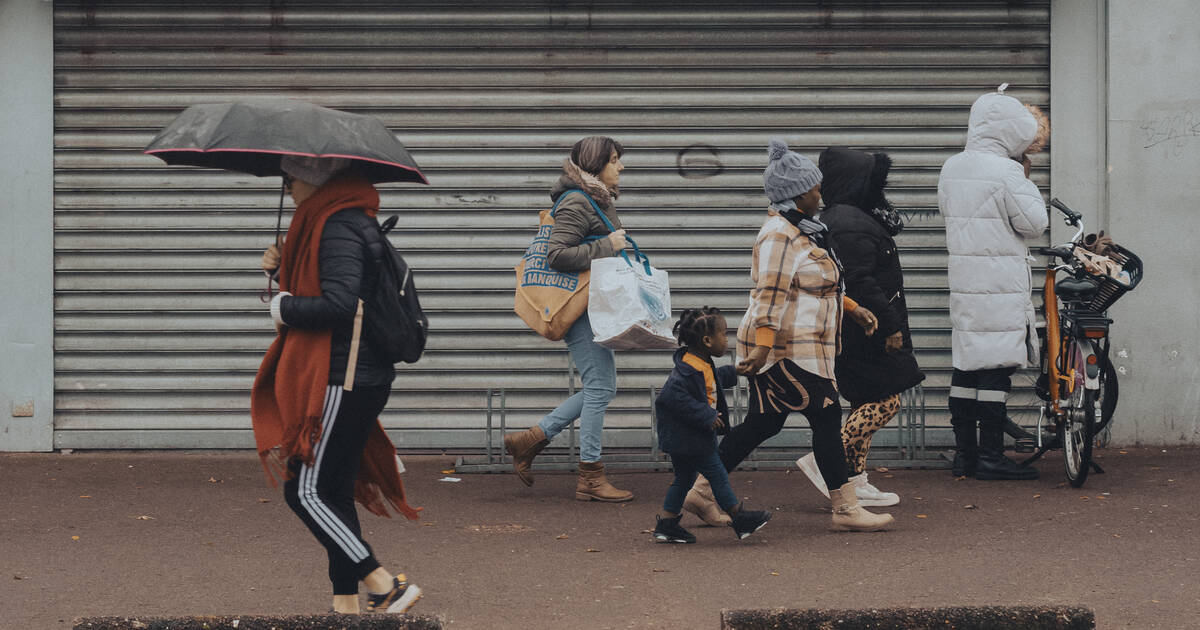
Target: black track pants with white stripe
<point>322,494</point>
<point>980,396</point>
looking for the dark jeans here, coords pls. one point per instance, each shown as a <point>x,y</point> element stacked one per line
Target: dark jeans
<point>825,421</point>
<point>322,493</point>
<point>686,468</point>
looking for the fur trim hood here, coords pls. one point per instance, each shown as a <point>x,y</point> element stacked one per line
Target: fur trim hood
<point>575,177</point>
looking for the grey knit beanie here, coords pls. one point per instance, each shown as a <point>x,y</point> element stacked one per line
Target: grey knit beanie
<point>788,174</point>
<point>313,170</point>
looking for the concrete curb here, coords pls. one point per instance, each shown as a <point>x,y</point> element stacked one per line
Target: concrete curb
<point>956,618</point>
<point>275,622</point>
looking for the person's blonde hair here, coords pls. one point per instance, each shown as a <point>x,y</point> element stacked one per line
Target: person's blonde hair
<point>1043,131</point>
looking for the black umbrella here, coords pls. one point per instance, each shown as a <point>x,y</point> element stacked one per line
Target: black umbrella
<point>251,136</point>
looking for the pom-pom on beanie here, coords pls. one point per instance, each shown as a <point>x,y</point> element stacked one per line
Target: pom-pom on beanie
<point>313,170</point>
<point>788,174</point>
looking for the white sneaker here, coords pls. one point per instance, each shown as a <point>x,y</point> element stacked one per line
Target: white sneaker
<point>870,496</point>
<point>808,464</point>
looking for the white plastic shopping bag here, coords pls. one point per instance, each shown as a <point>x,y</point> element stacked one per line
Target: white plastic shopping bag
<point>629,304</point>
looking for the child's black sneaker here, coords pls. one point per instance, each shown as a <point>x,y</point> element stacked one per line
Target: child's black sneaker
<point>398,600</point>
<point>746,522</point>
<point>668,530</point>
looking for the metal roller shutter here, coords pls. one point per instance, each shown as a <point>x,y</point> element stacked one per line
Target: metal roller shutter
<point>159,328</point>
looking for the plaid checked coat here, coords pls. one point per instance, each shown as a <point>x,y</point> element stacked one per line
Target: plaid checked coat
<point>796,303</point>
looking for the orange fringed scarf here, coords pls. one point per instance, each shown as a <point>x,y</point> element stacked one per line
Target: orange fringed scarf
<point>289,392</point>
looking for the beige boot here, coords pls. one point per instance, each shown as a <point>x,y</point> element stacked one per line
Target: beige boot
<point>593,485</point>
<point>523,446</point>
<point>849,517</point>
<point>700,501</point>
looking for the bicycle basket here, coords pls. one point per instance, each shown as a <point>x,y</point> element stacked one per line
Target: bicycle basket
<point>1111,288</point>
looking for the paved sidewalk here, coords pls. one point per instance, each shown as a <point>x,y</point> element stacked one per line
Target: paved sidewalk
<point>166,533</point>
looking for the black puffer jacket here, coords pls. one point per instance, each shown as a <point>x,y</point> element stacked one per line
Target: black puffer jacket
<point>853,183</point>
<point>349,259</point>
<point>685,419</point>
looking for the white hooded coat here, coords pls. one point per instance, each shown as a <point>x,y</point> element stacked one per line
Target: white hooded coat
<point>991,209</point>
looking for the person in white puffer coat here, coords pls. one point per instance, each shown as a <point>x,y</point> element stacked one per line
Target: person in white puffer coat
<point>991,208</point>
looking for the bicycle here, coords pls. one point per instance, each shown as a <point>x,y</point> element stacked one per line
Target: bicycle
<point>1077,382</point>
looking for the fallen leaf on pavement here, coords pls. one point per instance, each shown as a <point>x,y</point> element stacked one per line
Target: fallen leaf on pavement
<point>590,550</point>
<point>215,480</point>
<point>561,537</point>
<point>774,573</point>
<point>970,506</point>
<point>1116,535</point>
<point>144,518</point>
<point>262,500</point>
<point>922,516</point>
<point>85,496</point>
<point>1037,496</point>
<point>448,471</point>
<point>653,570</point>
<point>74,538</point>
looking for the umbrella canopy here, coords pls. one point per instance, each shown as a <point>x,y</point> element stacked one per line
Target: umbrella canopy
<point>251,136</point>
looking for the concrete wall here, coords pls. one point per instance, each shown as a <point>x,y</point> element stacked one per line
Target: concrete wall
<point>27,216</point>
<point>1153,194</point>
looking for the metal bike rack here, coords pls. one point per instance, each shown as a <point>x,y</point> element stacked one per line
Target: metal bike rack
<point>900,444</point>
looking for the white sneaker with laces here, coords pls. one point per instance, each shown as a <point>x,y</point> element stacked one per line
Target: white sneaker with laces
<point>808,464</point>
<point>870,496</point>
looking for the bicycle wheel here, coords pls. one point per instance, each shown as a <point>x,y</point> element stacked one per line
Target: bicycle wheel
<point>1107,396</point>
<point>1079,430</point>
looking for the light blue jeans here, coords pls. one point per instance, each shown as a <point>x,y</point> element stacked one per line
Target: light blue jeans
<point>598,371</point>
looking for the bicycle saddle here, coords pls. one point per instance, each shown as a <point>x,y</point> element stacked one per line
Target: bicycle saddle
<point>1076,290</point>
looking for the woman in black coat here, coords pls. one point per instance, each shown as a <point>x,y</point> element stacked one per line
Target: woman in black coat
<point>871,371</point>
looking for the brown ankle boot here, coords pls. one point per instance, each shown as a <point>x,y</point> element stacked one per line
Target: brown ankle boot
<point>849,517</point>
<point>700,501</point>
<point>523,446</point>
<point>593,485</point>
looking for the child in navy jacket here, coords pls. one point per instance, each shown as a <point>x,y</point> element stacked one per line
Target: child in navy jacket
<point>690,409</point>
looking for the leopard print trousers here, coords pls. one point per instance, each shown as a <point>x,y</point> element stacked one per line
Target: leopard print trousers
<point>864,421</point>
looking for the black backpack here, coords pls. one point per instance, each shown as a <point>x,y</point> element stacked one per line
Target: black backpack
<point>392,318</point>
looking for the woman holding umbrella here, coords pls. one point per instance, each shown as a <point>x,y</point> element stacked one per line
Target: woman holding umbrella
<point>321,386</point>
<point>328,263</point>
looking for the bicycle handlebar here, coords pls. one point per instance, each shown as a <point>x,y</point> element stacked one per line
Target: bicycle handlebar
<point>1073,217</point>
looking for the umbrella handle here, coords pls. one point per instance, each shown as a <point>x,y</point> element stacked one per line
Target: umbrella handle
<point>266,295</point>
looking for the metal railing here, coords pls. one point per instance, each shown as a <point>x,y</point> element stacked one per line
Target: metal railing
<point>900,444</point>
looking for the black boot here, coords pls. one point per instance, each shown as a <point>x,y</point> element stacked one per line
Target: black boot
<point>992,464</point>
<point>966,452</point>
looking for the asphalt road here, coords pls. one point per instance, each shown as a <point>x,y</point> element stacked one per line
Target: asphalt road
<point>168,533</point>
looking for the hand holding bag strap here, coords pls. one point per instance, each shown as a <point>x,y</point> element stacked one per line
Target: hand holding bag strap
<point>637,251</point>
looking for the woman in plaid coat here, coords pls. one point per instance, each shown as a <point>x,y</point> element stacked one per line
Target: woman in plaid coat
<point>791,333</point>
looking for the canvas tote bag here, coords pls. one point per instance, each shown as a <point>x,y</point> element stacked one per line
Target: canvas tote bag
<point>550,301</point>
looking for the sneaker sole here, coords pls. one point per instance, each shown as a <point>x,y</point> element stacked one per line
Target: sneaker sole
<point>813,475</point>
<point>406,601</point>
<point>878,502</point>
<point>667,539</point>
